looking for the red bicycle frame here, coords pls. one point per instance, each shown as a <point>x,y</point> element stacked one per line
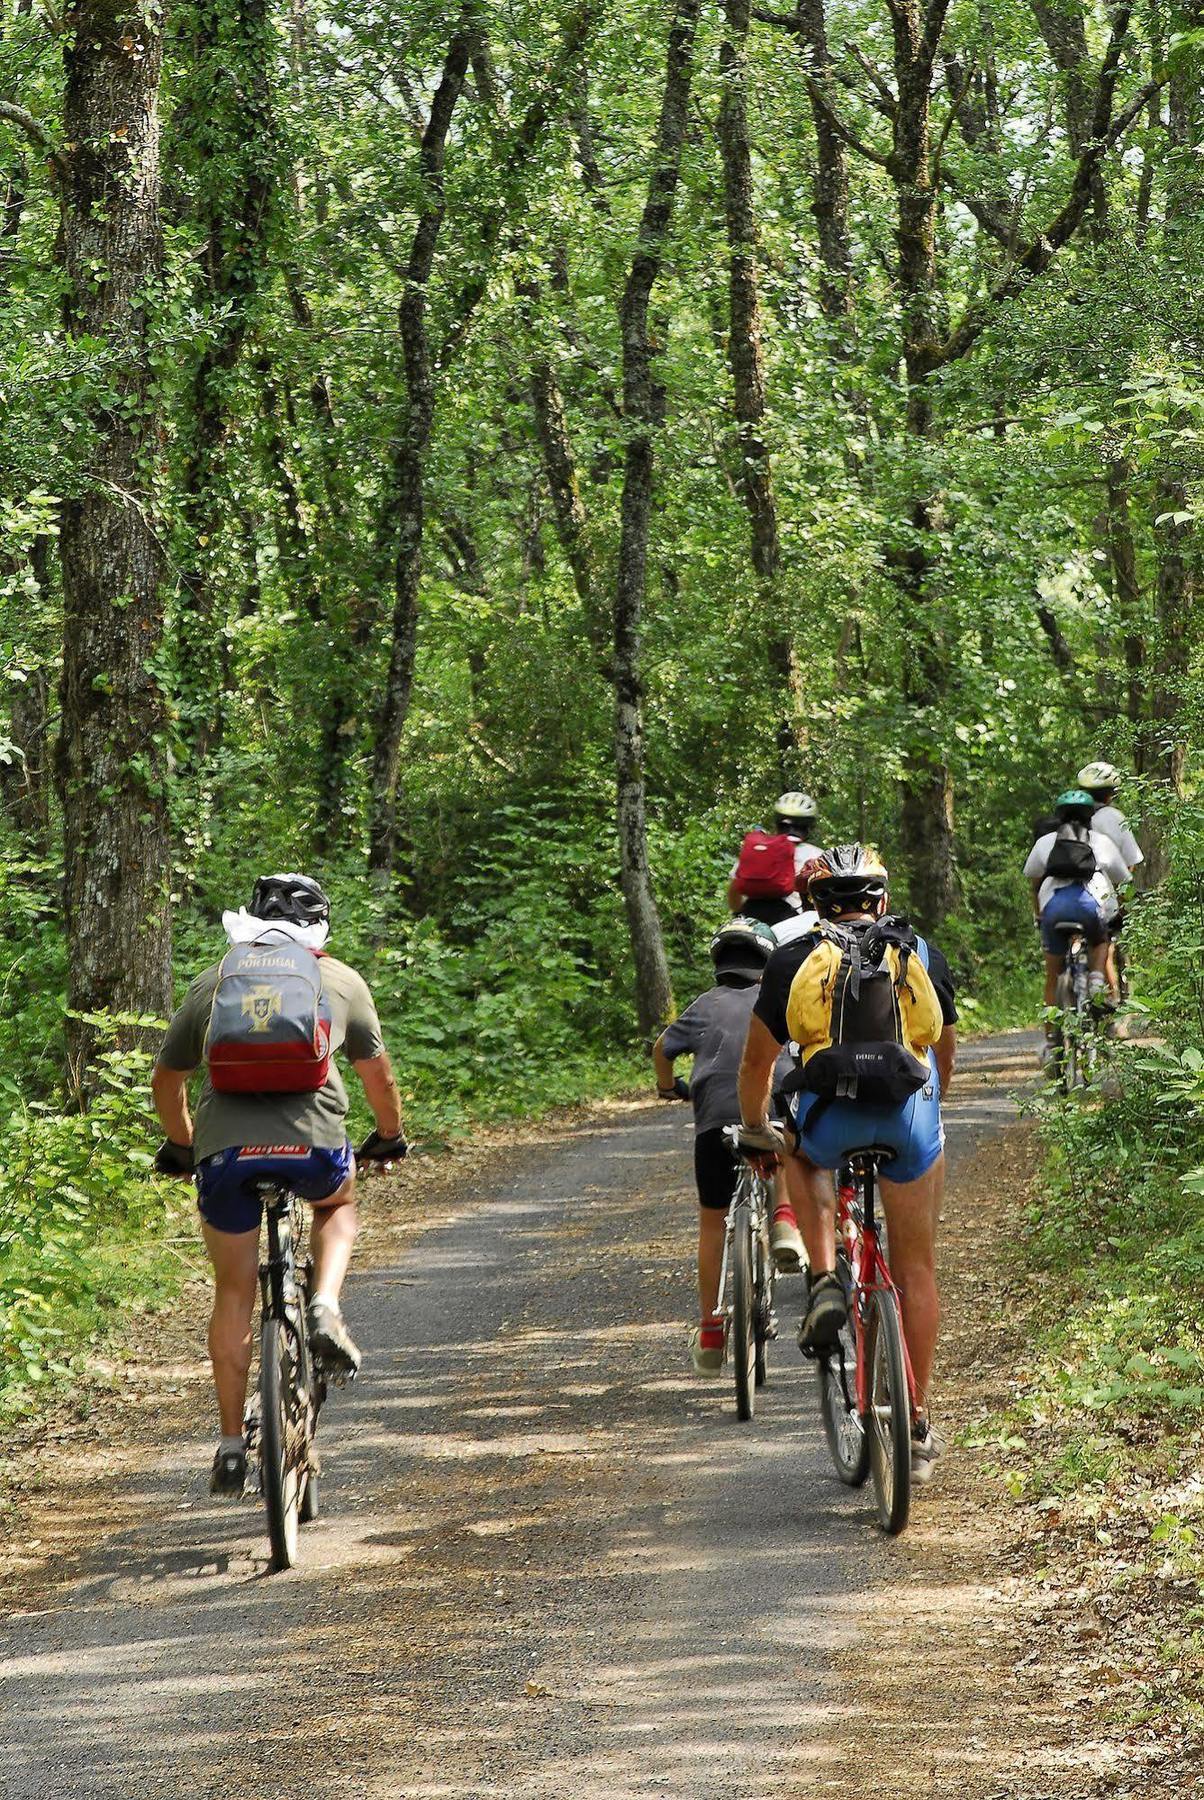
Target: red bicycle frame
<point>857,1231</point>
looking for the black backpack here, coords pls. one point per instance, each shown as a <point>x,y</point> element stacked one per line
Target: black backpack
<point>1071,858</point>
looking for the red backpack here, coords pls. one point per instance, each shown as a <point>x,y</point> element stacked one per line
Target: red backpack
<point>765,870</point>
<point>269,1025</point>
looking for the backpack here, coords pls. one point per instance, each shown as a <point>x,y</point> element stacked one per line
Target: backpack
<point>1071,857</point>
<point>864,1012</point>
<point>269,1024</point>
<point>765,869</point>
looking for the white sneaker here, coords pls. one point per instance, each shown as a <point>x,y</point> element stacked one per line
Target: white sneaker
<point>924,1452</point>
<point>706,1347</point>
<point>786,1243</point>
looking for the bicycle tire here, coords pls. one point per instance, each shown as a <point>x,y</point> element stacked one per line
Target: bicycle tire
<point>1068,1058</point>
<point>889,1421</point>
<point>282,1479</point>
<point>743,1339</point>
<point>763,1272</point>
<point>844,1428</point>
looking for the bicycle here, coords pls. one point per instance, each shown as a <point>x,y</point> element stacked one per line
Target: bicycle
<point>751,1320</point>
<point>1075,1043</point>
<point>292,1386</point>
<point>867,1389</point>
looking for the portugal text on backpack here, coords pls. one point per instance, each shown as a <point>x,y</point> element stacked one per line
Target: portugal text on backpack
<point>269,1025</point>
<point>864,1013</point>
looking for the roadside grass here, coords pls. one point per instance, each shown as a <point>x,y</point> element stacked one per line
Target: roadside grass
<point>1102,1445</point>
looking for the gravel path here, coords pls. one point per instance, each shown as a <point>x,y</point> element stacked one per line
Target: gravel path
<point>551,1563</point>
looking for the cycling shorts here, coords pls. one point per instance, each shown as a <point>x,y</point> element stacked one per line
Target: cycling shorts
<point>715,1166</point>
<point>1072,905</point>
<point>226,1195</point>
<point>829,1131</point>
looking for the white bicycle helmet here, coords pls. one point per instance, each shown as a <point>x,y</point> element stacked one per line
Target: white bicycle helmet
<point>1099,775</point>
<point>795,808</point>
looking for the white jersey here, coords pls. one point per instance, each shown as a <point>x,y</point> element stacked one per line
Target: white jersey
<point>1112,822</point>
<point>1111,871</point>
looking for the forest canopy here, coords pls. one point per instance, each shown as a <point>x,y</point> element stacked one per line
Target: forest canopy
<point>482,453</point>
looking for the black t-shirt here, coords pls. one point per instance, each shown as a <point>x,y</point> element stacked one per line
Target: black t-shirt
<point>788,959</point>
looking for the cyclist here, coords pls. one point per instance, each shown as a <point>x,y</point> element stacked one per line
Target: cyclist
<point>848,886</point>
<point>713,1030</point>
<point>1101,780</point>
<point>794,817</point>
<point>1087,898</point>
<point>298,1137</point>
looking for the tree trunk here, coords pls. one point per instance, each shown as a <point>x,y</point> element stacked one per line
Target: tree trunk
<point>1177,579</point>
<point>111,756</point>
<point>409,463</point>
<point>643,408</point>
<point>229,122</point>
<point>926,813</point>
<point>24,782</point>
<point>830,201</point>
<point>746,360</point>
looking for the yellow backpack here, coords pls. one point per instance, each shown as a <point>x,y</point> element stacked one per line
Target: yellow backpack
<point>864,1013</point>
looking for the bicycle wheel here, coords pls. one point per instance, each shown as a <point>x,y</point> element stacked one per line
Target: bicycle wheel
<point>844,1427</point>
<point>763,1299</point>
<point>889,1421</point>
<point>1068,1058</point>
<point>743,1340</point>
<point>281,1437</point>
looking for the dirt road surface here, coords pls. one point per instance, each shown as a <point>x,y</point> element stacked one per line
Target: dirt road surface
<point>550,1562</point>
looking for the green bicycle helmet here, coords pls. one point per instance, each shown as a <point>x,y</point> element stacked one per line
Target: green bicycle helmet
<point>1075,807</point>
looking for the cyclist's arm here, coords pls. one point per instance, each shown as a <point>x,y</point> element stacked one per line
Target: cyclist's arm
<point>663,1064</point>
<point>735,896</point>
<point>945,1051</point>
<point>761,1050</point>
<point>380,1091</point>
<point>1036,887</point>
<point>169,1091</point>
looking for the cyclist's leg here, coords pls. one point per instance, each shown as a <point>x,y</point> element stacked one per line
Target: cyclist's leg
<point>333,1231</point>
<point>912,1209</point>
<point>813,1200</point>
<point>235,1259</point>
<point>715,1175</point>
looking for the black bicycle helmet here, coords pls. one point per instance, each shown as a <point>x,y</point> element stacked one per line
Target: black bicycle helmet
<point>296,898</point>
<point>847,878</point>
<point>742,947</point>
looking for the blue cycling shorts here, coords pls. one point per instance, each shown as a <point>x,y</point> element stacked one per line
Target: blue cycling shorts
<point>1074,904</point>
<point>226,1195</point>
<point>913,1130</point>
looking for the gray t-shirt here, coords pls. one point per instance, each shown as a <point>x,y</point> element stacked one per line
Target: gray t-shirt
<point>226,1120</point>
<point>713,1031</point>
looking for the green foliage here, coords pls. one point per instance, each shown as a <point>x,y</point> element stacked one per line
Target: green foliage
<point>82,1229</point>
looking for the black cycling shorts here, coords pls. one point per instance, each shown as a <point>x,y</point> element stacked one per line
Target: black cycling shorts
<point>715,1169</point>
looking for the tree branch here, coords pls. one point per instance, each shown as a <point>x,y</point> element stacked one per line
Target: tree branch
<point>1044,246</point>
<point>821,102</point>
<point>33,129</point>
